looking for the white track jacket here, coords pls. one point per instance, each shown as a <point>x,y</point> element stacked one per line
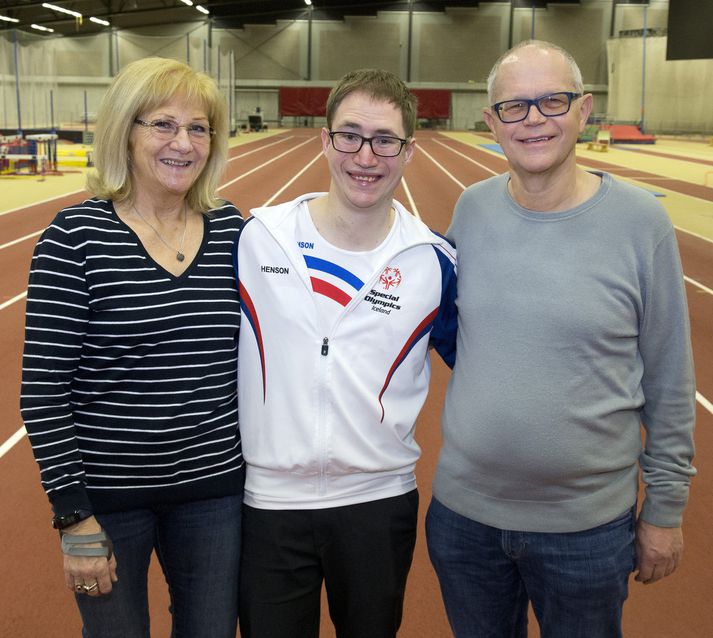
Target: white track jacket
<point>327,412</point>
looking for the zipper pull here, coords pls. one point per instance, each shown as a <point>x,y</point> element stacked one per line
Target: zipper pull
<point>325,347</point>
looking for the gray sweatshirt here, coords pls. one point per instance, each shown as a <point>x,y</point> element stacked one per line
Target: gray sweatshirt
<point>572,332</point>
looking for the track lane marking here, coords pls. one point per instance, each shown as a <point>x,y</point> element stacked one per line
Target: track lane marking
<point>292,181</point>
<point>12,441</point>
<point>264,164</point>
<point>43,201</point>
<point>704,402</point>
<point>261,148</point>
<point>412,204</point>
<point>464,156</point>
<point>21,239</point>
<point>443,168</point>
<point>696,235</point>
<point>9,302</point>
<point>698,284</point>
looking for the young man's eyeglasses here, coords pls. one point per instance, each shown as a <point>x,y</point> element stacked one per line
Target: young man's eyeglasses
<point>381,145</point>
<point>550,105</point>
<point>167,130</point>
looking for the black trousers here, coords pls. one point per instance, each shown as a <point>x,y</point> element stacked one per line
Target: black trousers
<point>361,552</point>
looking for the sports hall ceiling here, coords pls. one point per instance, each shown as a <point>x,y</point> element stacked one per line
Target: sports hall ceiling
<point>131,14</point>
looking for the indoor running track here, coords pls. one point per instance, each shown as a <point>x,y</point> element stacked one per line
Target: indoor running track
<point>277,168</point>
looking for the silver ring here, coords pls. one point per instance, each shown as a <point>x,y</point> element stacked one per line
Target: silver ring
<point>88,588</point>
<point>79,588</point>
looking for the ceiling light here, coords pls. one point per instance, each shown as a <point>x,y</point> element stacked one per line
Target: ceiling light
<point>41,28</point>
<point>202,9</point>
<point>188,2</point>
<point>308,3</point>
<point>6,19</point>
<point>54,7</point>
<point>104,23</point>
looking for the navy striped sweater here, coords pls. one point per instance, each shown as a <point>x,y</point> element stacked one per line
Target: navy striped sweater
<point>129,373</point>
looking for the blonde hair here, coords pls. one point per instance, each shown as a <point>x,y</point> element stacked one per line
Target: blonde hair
<point>577,82</point>
<point>377,84</point>
<point>143,86</point>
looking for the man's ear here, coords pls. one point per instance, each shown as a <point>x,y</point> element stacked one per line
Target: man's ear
<point>490,121</point>
<point>325,140</point>
<point>586,103</point>
<point>409,150</point>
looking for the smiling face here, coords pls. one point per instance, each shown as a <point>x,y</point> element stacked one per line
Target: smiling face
<point>168,167</point>
<point>537,145</point>
<point>362,180</point>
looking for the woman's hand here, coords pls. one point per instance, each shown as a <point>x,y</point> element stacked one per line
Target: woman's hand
<point>91,575</point>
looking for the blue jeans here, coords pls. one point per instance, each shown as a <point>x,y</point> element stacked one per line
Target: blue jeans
<point>577,582</point>
<point>198,547</point>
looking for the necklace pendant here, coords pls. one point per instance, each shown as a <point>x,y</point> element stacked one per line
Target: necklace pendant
<point>180,256</point>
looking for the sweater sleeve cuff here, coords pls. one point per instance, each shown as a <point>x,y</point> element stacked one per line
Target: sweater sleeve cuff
<point>662,512</point>
<point>70,500</point>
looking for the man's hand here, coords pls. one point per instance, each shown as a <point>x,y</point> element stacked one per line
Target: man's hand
<point>658,551</point>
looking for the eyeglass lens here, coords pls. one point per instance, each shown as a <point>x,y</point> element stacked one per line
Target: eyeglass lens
<point>548,105</point>
<point>167,129</point>
<point>382,145</point>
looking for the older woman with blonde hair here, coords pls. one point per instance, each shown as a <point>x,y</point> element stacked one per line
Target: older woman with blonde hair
<point>129,370</point>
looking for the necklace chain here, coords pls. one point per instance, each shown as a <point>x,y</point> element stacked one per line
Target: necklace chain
<point>180,256</point>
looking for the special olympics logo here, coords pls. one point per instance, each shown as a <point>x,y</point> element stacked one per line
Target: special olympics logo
<point>390,278</point>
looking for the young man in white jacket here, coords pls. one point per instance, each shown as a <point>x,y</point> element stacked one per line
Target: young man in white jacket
<point>342,293</point>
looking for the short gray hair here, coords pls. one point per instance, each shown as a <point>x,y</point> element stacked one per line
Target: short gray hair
<point>540,44</point>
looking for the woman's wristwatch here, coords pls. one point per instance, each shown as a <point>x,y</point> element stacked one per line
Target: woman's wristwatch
<point>63,521</point>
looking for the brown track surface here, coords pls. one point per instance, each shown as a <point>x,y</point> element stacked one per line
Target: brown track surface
<point>34,602</point>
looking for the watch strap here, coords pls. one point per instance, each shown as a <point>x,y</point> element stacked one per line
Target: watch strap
<point>63,521</point>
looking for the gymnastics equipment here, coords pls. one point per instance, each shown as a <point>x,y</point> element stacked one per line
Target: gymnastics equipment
<point>31,155</point>
<point>600,142</point>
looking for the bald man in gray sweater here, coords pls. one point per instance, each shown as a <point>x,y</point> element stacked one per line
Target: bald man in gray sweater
<point>573,332</point>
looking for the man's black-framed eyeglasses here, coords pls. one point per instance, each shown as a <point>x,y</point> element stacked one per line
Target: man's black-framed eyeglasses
<point>551,105</point>
<point>381,145</point>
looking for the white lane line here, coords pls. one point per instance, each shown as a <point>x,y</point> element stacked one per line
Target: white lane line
<point>411,203</point>
<point>704,402</point>
<point>21,239</point>
<point>443,168</point>
<point>692,234</point>
<point>464,156</point>
<point>261,148</point>
<point>292,181</point>
<point>698,284</point>
<point>9,302</point>
<point>264,164</point>
<point>43,201</point>
<point>12,441</point>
